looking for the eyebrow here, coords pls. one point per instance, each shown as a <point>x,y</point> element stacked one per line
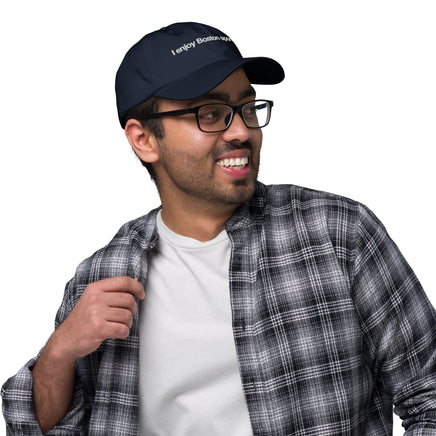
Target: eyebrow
<point>221,96</point>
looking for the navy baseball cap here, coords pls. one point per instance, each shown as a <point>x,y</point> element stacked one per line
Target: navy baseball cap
<point>184,61</point>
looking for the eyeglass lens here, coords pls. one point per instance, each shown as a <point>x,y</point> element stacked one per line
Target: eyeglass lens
<point>216,117</point>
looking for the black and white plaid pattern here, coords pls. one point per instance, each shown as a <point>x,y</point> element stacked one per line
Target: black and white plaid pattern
<point>331,326</point>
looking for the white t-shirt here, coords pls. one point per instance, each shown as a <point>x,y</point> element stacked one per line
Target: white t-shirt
<point>189,382</point>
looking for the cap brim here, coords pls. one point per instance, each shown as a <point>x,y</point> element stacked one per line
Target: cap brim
<point>259,70</point>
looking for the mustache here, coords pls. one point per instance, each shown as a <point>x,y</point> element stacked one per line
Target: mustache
<point>233,146</point>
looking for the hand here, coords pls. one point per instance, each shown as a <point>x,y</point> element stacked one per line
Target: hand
<point>105,310</point>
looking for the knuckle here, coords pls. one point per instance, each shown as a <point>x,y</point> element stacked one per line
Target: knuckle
<point>124,282</point>
<point>96,326</point>
<point>94,314</point>
<point>128,299</point>
<point>93,298</point>
<point>92,287</point>
<point>125,316</point>
<point>122,331</point>
<point>128,302</point>
<point>134,307</point>
<point>92,293</point>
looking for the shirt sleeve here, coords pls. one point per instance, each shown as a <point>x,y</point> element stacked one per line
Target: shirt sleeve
<point>399,326</point>
<point>18,407</point>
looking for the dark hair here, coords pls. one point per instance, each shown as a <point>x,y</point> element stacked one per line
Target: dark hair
<point>154,125</point>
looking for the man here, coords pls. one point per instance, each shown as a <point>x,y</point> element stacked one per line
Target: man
<point>235,308</point>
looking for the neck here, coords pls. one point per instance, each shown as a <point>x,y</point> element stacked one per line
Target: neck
<point>201,223</point>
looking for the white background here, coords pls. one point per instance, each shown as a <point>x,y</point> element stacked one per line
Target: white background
<point>354,116</point>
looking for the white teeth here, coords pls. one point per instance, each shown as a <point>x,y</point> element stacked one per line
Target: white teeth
<point>239,161</point>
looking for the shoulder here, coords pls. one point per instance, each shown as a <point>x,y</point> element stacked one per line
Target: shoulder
<point>302,198</point>
<point>311,208</point>
<point>114,259</point>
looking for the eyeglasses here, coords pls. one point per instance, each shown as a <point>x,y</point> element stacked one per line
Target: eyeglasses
<point>217,117</point>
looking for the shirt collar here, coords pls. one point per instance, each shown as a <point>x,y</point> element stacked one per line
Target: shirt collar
<point>249,212</point>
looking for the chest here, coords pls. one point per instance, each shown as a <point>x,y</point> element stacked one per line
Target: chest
<point>297,332</point>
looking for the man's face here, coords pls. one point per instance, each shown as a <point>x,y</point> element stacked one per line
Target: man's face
<point>193,165</point>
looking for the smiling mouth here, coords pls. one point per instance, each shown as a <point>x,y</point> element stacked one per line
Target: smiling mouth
<point>238,163</point>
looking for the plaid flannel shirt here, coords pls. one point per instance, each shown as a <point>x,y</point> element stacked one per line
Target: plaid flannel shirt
<point>331,326</point>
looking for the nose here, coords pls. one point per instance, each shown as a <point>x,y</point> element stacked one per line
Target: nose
<point>237,130</point>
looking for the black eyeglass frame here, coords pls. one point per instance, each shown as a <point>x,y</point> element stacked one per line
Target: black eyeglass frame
<point>235,109</point>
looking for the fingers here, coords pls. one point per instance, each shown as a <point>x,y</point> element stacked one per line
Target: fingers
<point>116,330</point>
<point>117,304</point>
<point>122,284</point>
<point>121,300</point>
<point>121,316</point>
<point>105,310</point>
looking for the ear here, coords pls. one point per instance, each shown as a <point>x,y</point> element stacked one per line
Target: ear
<point>142,141</point>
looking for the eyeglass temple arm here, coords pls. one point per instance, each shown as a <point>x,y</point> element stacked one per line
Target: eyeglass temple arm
<point>171,113</point>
